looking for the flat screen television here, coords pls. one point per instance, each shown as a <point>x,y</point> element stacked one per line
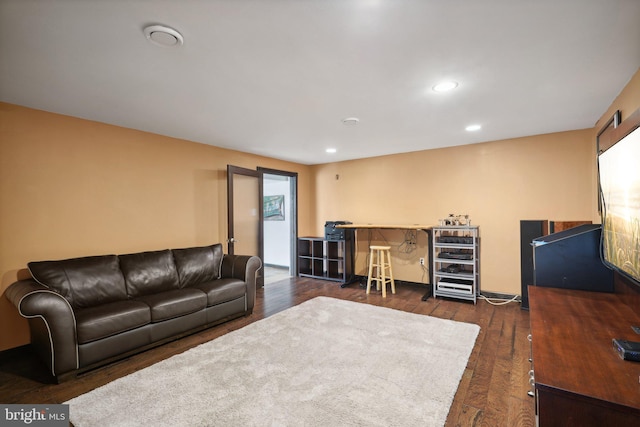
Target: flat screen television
<point>619,173</point>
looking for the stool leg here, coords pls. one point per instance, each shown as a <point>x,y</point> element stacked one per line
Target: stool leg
<point>378,266</point>
<point>383,279</point>
<point>370,271</point>
<point>393,284</point>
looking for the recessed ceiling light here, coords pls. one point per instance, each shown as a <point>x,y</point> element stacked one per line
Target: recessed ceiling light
<point>473,128</point>
<point>445,86</point>
<point>164,36</point>
<point>331,150</point>
<point>350,121</point>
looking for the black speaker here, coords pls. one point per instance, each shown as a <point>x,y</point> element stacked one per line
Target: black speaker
<point>529,230</point>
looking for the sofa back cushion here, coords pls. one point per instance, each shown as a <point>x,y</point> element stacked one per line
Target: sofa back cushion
<point>198,265</point>
<point>84,282</point>
<point>149,272</point>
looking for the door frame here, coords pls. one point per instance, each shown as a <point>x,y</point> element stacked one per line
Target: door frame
<point>293,259</point>
<point>259,175</point>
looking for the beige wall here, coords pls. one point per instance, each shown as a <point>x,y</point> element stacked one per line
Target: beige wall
<point>497,183</point>
<point>72,187</point>
<point>627,102</point>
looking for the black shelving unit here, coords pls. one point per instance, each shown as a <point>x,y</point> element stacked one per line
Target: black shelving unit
<point>324,259</point>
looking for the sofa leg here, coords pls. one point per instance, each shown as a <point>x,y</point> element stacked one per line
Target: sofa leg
<point>65,377</point>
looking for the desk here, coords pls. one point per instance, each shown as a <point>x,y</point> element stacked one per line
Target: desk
<point>416,227</point>
<point>426,228</point>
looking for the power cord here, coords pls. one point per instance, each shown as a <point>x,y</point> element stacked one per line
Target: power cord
<point>410,242</point>
<point>498,301</point>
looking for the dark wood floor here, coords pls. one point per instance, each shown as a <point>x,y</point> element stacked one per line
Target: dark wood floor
<point>492,392</point>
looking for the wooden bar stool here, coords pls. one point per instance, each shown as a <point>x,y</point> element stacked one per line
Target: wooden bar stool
<point>380,258</point>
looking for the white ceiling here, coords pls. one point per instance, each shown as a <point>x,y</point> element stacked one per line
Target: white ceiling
<point>276,77</point>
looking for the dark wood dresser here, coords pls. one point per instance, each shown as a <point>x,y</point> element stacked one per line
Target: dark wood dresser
<point>579,379</point>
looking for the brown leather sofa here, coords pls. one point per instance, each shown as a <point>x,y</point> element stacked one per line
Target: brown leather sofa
<point>85,312</point>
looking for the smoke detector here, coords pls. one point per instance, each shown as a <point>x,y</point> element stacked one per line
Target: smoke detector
<point>164,36</point>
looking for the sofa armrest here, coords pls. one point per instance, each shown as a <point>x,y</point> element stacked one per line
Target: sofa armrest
<point>52,324</point>
<point>243,267</point>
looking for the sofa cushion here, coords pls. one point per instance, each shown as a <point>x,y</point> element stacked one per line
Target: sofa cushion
<point>110,319</point>
<point>222,290</point>
<point>84,282</point>
<point>149,272</point>
<point>198,265</point>
<point>170,304</point>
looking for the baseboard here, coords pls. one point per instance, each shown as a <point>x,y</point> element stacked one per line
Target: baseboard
<point>490,295</point>
<point>363,281</point>
<point>12,353</point>
<point>276,266</point>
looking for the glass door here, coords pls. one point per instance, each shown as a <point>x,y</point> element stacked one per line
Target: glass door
<point>244,214</point>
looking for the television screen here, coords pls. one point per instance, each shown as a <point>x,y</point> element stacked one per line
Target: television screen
<point>619,170</point>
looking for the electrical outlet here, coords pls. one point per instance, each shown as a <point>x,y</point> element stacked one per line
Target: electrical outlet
<point>421,261</point>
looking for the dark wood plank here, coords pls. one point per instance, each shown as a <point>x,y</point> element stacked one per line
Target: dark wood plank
<point>490,391</point>
<point>557,226</point>
<point>576,367</point>
<point>572,348</point>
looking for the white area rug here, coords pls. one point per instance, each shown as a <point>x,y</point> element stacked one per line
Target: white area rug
<point>325,362</point>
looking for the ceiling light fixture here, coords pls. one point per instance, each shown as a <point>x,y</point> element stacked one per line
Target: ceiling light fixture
<point>473,128</point>
<point>350,121</point>
<point>331,150</point>
<point>164,36</point>
<point>445,86</point>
